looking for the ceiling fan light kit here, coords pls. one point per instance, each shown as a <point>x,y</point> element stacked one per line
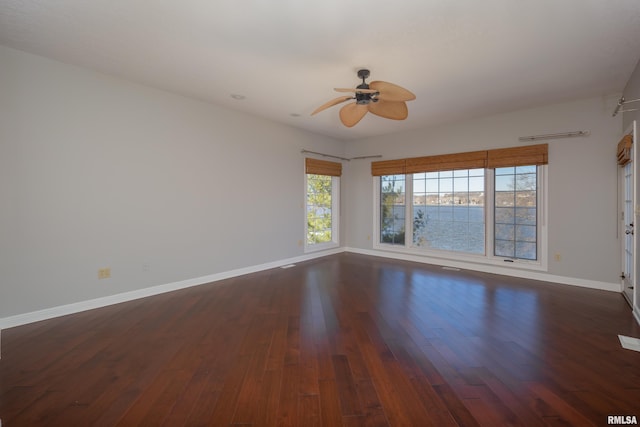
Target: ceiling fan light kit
<point>380,98</point>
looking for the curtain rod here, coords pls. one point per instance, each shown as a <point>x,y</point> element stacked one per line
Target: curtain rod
<point>341,158</point>
<point>623,101</point>
<point>555,135</point>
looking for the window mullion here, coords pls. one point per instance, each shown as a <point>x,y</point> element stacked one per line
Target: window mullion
<point>335,209</point>
<point>408,210</point>
<point>489,211</point>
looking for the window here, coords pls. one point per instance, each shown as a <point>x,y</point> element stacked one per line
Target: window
<point>392,209</point>
<point>478,205</point>
<point>322,188</point>
<point>448,210</point>
<point>516,212</point>
<point>319,209</point>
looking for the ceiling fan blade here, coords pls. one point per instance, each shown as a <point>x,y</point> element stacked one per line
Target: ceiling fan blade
<point>356,90</point>
<point>396,110</point>
<point>332,103</point>
<point>390,92</point>
<point>352,113</point>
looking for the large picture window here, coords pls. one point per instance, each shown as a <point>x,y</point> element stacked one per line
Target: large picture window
<point>447,204</point>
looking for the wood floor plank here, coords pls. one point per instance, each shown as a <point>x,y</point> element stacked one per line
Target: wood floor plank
<point>346,339</point>
<point>331,414</point>
<point>560,408</point>
<point>309,410</point>
<point>289,393</point>
<point>346,387</point>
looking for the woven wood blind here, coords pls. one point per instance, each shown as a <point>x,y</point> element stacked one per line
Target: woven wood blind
<point>624,150</point>
<point>518,156</point>
<point>388,167</point>
<point>471,160</point>
<point>322,167</point>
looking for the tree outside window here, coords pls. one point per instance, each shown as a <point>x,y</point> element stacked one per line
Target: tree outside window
<point>319,209</point>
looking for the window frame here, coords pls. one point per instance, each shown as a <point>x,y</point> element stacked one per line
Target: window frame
<point>335,217</point>
<point>488,257</point>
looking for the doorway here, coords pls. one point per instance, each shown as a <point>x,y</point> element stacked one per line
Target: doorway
<point>629,198</point>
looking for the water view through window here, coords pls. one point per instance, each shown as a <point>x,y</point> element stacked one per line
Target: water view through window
<point>446,210</point>
<point>516,212</point>
<point>392,209</point>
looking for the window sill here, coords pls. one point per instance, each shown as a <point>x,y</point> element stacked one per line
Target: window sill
<point>451,258</point>
<point>318,247</point>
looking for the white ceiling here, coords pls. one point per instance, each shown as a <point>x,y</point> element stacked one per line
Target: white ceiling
<point>462,58</point>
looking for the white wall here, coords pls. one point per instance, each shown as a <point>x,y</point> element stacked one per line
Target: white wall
<point>630,92</point>
<point>97,172</point>
<point>582,178</point>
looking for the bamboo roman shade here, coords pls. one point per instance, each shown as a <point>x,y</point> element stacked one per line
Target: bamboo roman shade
<point>388,167</point>
<point>322,167</point>
<point>624,150</point>
<point>516,156</point>
<point>472,160</point>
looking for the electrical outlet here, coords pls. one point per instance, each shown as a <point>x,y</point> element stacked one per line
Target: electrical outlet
<point>104,273</point>
<point>557,257</point>
<point>299,242</point>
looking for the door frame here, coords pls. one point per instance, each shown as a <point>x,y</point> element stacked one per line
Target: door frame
<point>629,239</point>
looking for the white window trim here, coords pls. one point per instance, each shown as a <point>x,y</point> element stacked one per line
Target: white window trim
<point>541,264</point>
<point>335,218</point>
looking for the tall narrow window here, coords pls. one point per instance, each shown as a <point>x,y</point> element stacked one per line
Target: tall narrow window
<point>392,209</point>
<point>322,188</point>
<point>516,212</point>
<point>448,210</point>
<point>319,209</point>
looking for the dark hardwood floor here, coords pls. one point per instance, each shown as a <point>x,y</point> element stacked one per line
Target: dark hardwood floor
<point>343,340</point>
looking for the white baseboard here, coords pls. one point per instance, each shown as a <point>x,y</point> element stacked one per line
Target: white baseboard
<point>525,274</point>
<point>63,310</point>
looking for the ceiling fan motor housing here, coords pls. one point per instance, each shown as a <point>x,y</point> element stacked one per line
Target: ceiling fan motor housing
<point>363,98</point>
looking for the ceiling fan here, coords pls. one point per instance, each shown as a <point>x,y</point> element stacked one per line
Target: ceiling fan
<point>380,98</point>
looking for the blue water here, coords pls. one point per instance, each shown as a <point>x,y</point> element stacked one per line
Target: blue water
<point>462,229</point>
<point>449,228</point>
